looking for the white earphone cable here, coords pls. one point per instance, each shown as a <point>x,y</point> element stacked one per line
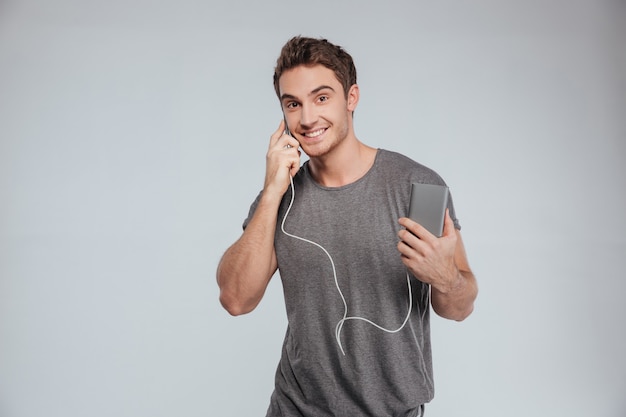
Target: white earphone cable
<point>345,318</point>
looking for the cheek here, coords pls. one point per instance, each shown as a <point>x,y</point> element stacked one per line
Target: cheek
<point>343,130</point>
<point>291,118</point>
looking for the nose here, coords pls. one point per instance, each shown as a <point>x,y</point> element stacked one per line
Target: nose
<point>308,116</point>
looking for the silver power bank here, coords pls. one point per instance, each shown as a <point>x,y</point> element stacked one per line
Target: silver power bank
<point>428,206</point>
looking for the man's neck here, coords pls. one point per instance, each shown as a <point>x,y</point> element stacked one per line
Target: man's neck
<point>344,165</point>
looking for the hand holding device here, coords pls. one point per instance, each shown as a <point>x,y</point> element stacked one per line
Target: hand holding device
<point>282,160</point>
<point>427,206</point>
<point>428,249</point>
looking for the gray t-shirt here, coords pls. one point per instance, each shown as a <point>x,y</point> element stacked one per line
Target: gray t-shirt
<point>350,266</point>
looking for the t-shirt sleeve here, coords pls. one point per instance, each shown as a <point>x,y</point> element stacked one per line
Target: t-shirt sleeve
<point>253,207</point>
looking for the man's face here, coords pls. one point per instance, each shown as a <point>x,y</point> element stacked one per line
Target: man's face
<point>316,109</point>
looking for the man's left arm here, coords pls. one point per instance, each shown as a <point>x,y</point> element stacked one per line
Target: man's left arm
<point>442,263</point>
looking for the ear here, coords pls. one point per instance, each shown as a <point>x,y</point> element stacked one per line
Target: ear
<point>353,97</point>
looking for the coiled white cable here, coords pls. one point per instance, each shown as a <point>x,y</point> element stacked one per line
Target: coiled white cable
<point>345,304</point>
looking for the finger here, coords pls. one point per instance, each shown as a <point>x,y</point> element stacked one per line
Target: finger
<point>415,228</point>
<point>405,250</point>
<point>278,133</point>
<point>292,143</point>
<point>295,167</point>
<point>409,239</point>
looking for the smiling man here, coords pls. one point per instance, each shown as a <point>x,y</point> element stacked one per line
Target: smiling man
<point>358,276</point>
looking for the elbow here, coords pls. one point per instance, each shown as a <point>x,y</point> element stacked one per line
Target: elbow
<point>464,307</point>
<point>233,306</point>
<point>462,315</point>
<point>229,298</point>
<point>456,310</point>
<point>238,294</point>
<point>457,315</point>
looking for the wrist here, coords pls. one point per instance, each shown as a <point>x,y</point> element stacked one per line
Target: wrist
<point>452,285</point>
<point>271,196</point>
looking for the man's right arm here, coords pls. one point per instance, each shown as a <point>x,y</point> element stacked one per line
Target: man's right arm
<point>248,265</point>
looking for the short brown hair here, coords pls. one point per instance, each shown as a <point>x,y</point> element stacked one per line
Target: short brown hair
<point>310,51</point>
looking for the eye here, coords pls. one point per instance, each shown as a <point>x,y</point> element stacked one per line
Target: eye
<point>291,105</point>
<point>322,98</point>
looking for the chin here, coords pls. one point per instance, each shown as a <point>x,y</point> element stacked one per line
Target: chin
<point>322,148</point>
<point>315,151</point>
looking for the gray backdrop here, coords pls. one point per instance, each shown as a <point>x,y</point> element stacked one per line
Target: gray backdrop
<point>133,139</point>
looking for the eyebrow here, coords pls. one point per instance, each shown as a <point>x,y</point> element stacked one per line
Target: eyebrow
<point>314,91</point>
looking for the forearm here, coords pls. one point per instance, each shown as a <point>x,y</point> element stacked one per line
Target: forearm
<point>457,301</point>
<point>248,265</point>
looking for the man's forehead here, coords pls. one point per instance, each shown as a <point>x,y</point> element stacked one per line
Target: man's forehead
<point>304,80</point>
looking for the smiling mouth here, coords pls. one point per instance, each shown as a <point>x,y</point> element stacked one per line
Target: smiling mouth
<point>315,133</point>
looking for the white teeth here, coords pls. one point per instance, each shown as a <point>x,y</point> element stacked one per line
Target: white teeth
<point>314,133</point>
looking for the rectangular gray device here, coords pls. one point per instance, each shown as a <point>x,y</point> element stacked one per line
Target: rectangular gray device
<point>428,206</point>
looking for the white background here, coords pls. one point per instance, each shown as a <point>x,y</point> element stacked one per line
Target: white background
<point>133,138</point>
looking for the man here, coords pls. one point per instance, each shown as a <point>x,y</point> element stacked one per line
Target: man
<point>358,276</point>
